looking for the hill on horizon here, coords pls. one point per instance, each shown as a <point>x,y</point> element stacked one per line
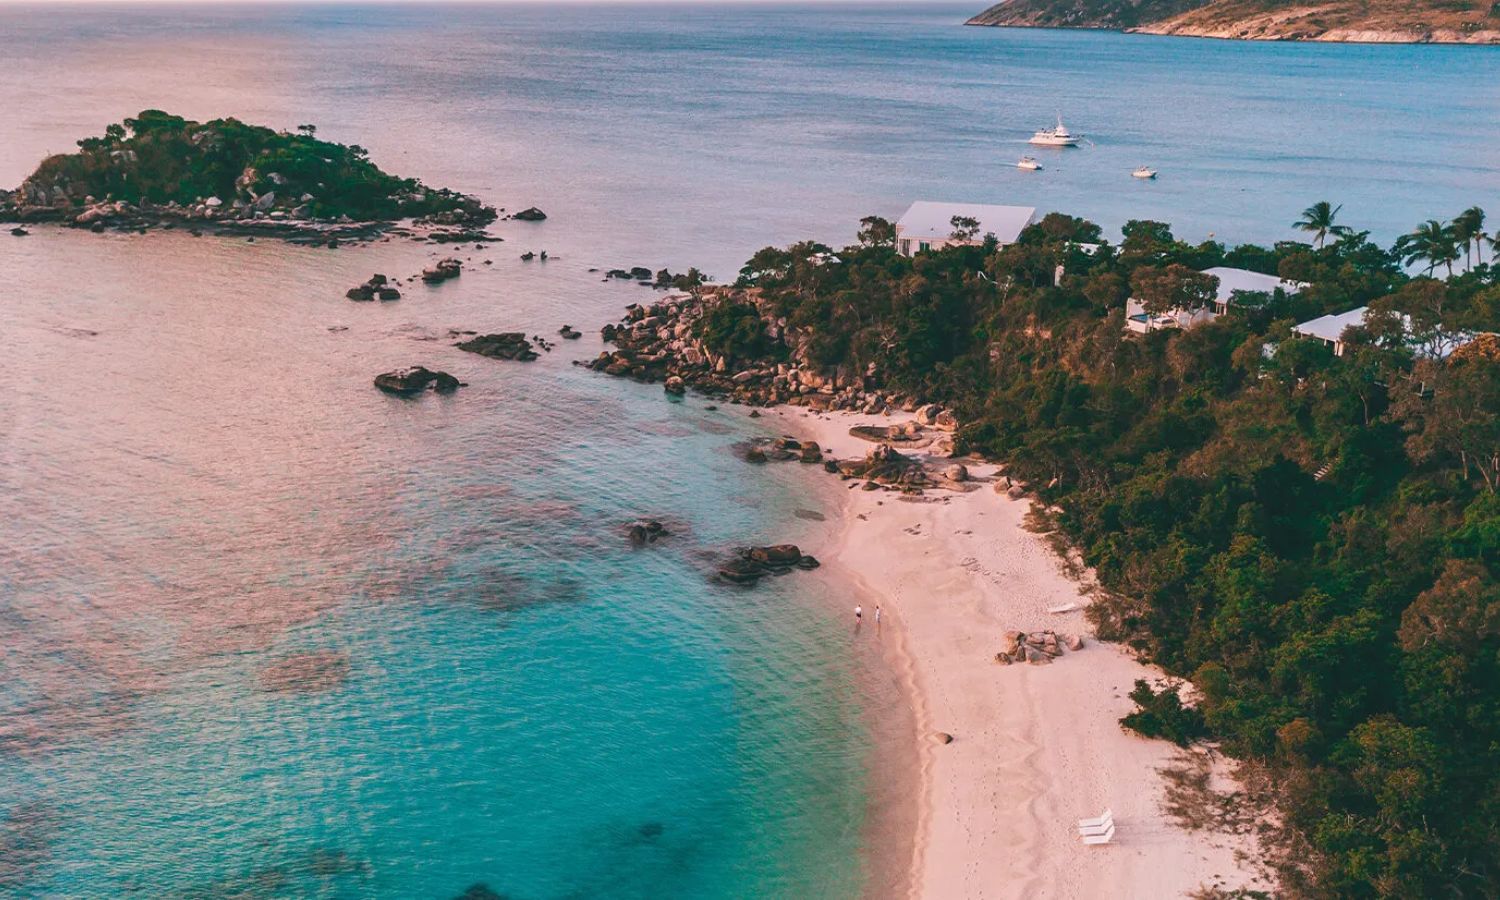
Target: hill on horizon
<point>1397,21</point>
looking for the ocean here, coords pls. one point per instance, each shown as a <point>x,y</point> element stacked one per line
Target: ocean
<point>270,633</point>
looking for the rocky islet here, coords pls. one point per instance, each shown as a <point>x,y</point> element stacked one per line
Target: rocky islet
<point>414,380</point>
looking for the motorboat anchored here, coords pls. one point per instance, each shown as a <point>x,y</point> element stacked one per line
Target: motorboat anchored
<point>1056,137</point>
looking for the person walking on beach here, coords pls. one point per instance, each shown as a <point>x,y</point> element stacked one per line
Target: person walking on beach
<point>859,615</point>
<point>877,618</point>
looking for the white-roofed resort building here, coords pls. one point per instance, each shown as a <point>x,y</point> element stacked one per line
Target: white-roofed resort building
<point>1330,330</point>
<point>1231,282</point>
<point>928,225</point>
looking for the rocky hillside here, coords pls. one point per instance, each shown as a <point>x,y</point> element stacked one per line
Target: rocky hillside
<point>1115,14</point>
<point>730,342</point>
<point>1397,21</point>
<point>1405,21</point>
<point>161,166</point>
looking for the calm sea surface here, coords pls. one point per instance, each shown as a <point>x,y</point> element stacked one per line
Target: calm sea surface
<point>265,632</point>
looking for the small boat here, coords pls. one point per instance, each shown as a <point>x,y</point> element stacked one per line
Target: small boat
<point>1143,172</point>
<point>1056,137</point>
<point>1029,163</point>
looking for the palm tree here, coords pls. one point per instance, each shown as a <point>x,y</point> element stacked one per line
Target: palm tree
<point>1468,228</point>
<point>1432,242</point>
<point>1351,240</point>
<point>1317,220</point>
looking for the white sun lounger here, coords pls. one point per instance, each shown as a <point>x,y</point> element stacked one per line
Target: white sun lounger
<point>1103,838</point>
<point>1107,818</point>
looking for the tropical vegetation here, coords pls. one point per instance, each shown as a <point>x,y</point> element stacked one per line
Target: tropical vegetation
<point>1319,221</point>
<point>1313,540</point>
<point>159,158</point>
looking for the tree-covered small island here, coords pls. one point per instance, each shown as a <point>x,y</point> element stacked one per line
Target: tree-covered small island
<point>159,167</point>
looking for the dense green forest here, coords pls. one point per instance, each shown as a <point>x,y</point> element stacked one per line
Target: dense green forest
<point>1312,539</point>
<point>159,158</point>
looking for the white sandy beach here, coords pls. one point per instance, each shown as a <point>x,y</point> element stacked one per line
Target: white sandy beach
<point>1034,747</point>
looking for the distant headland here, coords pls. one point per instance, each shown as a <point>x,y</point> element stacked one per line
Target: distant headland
<point>1348,21</point>
<point>157,169</point>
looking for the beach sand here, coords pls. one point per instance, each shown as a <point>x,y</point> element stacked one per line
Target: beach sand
<point>1034,748</point>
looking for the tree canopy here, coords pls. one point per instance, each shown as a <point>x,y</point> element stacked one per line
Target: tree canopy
<point>159,158</point>
<point>1313,540</point>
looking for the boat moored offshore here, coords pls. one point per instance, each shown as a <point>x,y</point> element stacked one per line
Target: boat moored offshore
<point>1056,137</point>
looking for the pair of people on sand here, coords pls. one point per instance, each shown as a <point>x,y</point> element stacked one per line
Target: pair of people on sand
<point>859,616</point>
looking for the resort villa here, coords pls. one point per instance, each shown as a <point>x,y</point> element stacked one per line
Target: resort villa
<point>928,225</point>
<point>1330,330</point>
<point>1231,282</point>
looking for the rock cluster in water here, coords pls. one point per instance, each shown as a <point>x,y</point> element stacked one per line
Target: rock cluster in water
<point>256,215</point>
<point>634,273</point>
<point>211,215</point>
<point>462,236</point>
<point>664,342</point>
<point>442,270</point>
<point>753,563</point>
<point>505,345</point>
<point>530,214</point>
<point>646,532</point>
<point>415,380</point>
<point>378,286</point>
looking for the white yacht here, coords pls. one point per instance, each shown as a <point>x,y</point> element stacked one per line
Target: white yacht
<point>1056,137</point>
<point>1029,163</point>
<point>1144,172</point>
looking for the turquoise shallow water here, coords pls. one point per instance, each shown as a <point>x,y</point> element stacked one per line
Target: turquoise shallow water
<point>267,633</point>
<point>201,485</point>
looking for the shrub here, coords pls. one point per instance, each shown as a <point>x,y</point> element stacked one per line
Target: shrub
<point>1160,714</point>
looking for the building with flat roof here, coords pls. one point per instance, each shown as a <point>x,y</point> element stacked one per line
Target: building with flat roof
<point>1330,330</point>
<point>928,225</point>
<point>1231,281</point>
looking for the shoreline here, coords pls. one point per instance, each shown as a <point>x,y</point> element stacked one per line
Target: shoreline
<point>883,677</point>
<point>1368,37</point>
<point>305,232</point>
<point>897,828</point>
<point>1033,747</point>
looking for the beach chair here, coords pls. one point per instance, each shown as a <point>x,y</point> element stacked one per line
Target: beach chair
<point>1104,821</point>
<point>1101,838</point>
